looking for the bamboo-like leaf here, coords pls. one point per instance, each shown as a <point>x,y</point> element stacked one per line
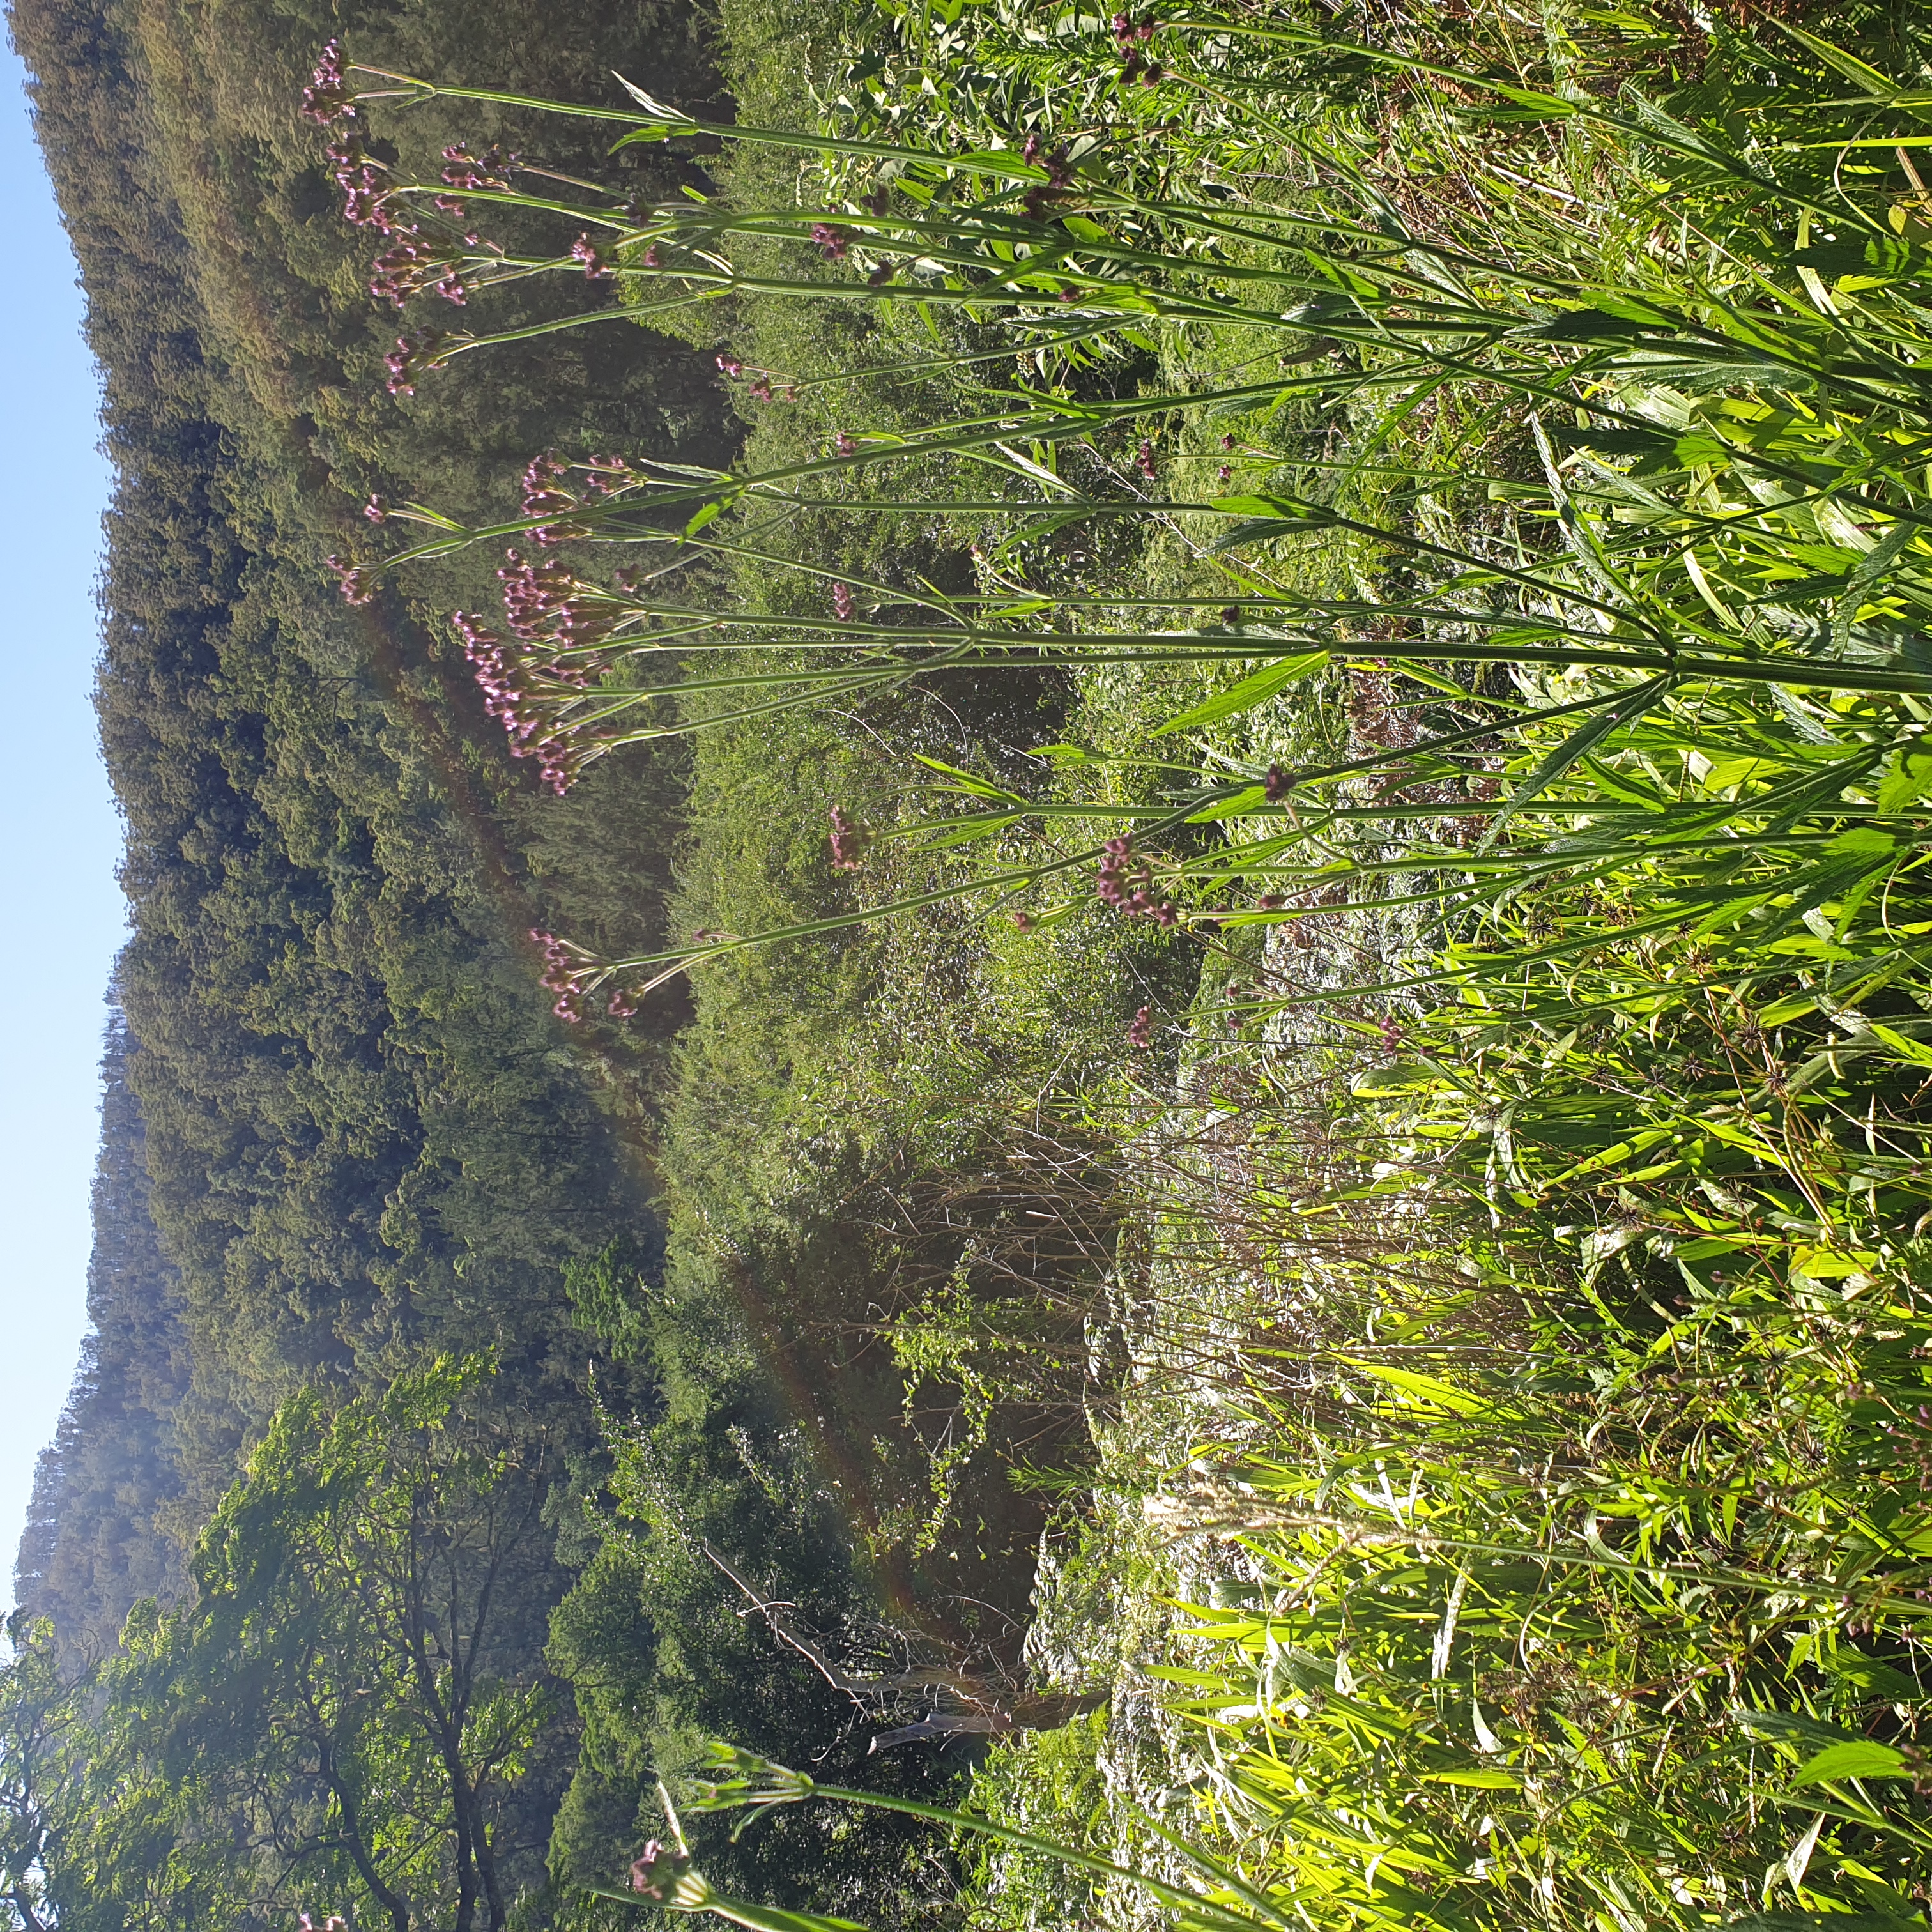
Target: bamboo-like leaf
<point>1250,692</point>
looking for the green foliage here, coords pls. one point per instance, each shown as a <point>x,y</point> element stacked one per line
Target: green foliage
<point>340,1715</point>
<point>1532,693</point>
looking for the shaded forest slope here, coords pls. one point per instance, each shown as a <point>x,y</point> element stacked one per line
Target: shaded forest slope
<point>337,1088</point>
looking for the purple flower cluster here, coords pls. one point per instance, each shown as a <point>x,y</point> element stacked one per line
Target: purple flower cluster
<point>1141,1032</point>
<point>1127,884</point>
<point>833,244</point>
<point>548,608</point>
<point>1128,38</point>
<point>1275,786</point>
<point>1059,176</point>
<point>1143,460</point>
<point>467,173</point>
<point>358,583</point>
<point>760,389</point>
<point>412,355</point>
<point>585,250</point>
<point>841,602</point>
<point>528,697</point>
<point>411,263</point>
<point>531,681</point>
<point>544,496</point>
<point>327,97</point>
<point>566,968</point>
<point>656,1871</point>
<point>363,200</point>
<point>572,974</point>
<point>849,842</point>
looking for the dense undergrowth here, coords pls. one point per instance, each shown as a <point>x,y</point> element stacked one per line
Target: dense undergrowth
<point>1350,590</point>
<point>1465,483</point>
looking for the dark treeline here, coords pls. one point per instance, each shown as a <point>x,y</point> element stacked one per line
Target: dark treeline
<point>102,1529</point>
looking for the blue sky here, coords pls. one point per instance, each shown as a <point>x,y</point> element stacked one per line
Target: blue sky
<point>59,838</point>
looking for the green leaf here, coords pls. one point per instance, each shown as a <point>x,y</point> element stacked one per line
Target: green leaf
<point>1249,693</point>
<point>1879,258</point>
<point>1862,842</point>
<point>1481,1780</point>
<point>979,787</point>
<point>1270,517</point>
<point>1428,1389</point>
<point>1595,325</point>
<point>1850,65</point>
<point>1909,783</point>
<point>1863,1759</point>
<point>1630,707</point>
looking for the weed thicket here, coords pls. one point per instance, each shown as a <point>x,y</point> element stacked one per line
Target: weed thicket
<point>1466,489</point>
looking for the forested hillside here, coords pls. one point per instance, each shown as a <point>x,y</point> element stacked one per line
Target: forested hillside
<point>364,1137</point>
<point>101,1532</point>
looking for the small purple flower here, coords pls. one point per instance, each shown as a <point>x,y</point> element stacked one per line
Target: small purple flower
<point>834,245</point>
<point>656,1872</point>
<point>327,97</point>
<point>849,841</point>
<point>841,602</point>
<point>359,582</point>
<point>1141,1032</point>
<point>1275,785</point>
<point>1128,887</point>
<point>412,355</point>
